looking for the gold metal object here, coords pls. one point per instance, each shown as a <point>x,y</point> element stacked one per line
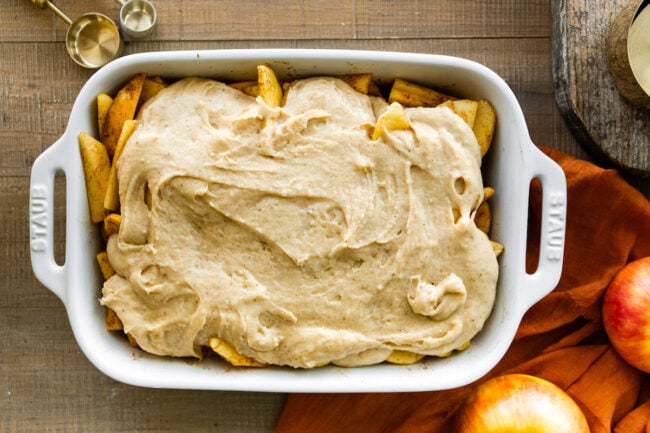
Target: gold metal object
<point>638,46</point>
<point>629,23</point>
<point>92,40</point>
<point>137,18</point>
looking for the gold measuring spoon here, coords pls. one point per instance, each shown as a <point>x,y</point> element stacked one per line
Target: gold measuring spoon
<point>137,18</point>
<point>92,40</point>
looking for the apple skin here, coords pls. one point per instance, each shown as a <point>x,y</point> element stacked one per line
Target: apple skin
<point>521,403</point>
<point>626,313</point>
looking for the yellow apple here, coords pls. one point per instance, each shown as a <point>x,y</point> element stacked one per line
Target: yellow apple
<point>520,403</point>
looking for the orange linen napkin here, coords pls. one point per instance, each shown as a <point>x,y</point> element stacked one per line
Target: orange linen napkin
<point>560,339</point>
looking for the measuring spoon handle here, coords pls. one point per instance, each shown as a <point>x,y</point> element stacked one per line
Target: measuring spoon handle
<point>46,3</point>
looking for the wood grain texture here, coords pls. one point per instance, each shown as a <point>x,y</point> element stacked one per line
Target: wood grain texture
<point>612,129</point>
<point>46,384</point>
<point>53,388</point>
<point>194,20</point>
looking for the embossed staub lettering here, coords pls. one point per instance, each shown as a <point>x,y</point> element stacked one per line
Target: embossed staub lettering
<point>555,227</point>
<point>38,218</point>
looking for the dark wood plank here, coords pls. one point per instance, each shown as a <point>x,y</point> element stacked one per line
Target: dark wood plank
<point>289,20</point>
<point>47,384</point>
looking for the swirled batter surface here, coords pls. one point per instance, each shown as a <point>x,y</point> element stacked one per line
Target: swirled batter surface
<point>293,235</point>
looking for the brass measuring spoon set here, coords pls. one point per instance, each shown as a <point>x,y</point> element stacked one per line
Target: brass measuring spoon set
<point>93,39</point>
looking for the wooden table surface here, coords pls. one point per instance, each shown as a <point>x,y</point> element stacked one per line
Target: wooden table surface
<point>46,383</point>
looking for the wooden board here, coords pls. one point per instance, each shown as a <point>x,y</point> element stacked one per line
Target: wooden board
<point>613,130</point>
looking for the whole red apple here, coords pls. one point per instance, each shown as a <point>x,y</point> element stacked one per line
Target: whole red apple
<point>520,403</point>
<point>626,313</point>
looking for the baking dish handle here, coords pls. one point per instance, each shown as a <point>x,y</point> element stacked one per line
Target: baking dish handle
<point>551,246</point>
<point>41,218</point>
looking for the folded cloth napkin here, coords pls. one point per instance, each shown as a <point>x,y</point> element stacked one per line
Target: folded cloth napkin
<point>560,338</point>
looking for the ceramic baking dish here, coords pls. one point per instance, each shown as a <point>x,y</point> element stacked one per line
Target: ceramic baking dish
<point>509,167</point>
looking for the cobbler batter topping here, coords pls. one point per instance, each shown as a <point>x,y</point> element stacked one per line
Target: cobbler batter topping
<point>293,235</point>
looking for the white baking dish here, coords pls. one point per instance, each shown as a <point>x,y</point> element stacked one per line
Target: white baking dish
<point>509,167</point>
